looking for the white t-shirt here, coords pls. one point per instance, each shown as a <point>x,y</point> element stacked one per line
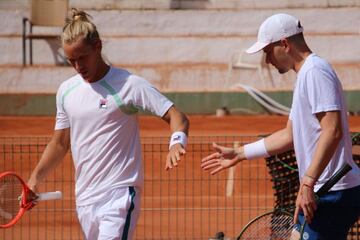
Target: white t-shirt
<point>105,140</point>
<point>318,89</point>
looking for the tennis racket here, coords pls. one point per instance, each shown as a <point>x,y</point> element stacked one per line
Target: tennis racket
<point>16,198</point>
<point>278,224</point>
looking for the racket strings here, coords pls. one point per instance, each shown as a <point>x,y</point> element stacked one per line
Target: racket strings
<point>274,226</point>
<point>10,195</point>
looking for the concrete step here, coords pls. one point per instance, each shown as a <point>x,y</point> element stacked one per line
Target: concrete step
<point>184,50</point>
<point>171,50</point>
<point>170,78</point>
<point>188,102</point>
<point>137,37</point>
<point>113,23</point>
<point>190,4</point>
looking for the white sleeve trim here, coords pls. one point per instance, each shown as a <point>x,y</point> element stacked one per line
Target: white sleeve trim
<point>327,109</point>
<point>166,107</point>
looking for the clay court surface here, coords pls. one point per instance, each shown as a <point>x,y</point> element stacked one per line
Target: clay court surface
<point>184,204</point>
<point>152,126</point>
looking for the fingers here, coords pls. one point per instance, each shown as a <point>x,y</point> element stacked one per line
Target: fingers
<point>314,205</point>
<point>32,186</point>
<point>218,154</point>
<point>31,200</point>
<point>211,161</point>
<point>210,164</point>
<point>296,214</point>
<point>182,151</point>
<point>219,160</point>
<point>218,148</point>
<point>174,155</point>
<point>308,213</point>
<point>171,160</point>
<point>31,196</point>
<point>211,157</point>
<point>216,170</point>
<point>295,234</point>
<point>307,203</point>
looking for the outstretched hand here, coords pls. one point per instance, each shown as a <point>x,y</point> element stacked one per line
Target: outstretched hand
<point>174,156</point>
<point>223,158</point>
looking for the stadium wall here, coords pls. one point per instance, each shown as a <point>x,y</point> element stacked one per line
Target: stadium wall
<point>189,102</point>
<point>185,48</point>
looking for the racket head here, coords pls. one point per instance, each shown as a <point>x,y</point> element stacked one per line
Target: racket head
<point>14,199</point>
<point>274,225</point>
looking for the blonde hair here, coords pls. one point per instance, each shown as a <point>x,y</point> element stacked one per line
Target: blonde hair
<point>79,26</point>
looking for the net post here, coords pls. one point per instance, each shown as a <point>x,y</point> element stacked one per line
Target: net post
<point>230,177</point>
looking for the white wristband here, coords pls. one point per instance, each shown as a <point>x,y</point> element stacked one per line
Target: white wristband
<point>256,150</point>
<point>178,137</point>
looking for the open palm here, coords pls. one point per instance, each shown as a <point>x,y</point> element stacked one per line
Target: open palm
<point>223,158</point>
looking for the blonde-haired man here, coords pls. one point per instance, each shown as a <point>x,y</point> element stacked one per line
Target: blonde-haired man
<point>96,116</point>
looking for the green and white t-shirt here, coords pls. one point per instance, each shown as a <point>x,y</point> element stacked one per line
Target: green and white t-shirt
<point>105,140</point>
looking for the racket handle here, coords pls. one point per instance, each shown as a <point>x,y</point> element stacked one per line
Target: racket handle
<point>334,179</point>
<point>49,196</point>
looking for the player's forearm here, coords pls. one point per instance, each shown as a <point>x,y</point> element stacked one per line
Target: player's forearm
<point>52,155</point>
<point>325,149</point>
<point>279,142</point>
<point>177,120</point>
<point>179,123</point>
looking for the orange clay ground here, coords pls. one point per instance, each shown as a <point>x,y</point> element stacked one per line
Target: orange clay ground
<point>150,126</point>
<point>157,219</point>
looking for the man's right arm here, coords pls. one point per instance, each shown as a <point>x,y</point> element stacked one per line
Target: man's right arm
<point>53,154</point>
<point>225,157</point>
<point>280,141</point>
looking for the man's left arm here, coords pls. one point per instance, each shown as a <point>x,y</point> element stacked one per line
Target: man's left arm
<point>179,125</point>
<point>331,134</point>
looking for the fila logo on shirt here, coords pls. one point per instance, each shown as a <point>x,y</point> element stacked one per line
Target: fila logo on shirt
<point>103,103</point>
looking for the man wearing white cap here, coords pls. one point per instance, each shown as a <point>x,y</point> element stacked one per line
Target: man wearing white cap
<point>317,130</point>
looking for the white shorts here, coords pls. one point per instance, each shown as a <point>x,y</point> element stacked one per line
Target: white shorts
<point>112,218</point>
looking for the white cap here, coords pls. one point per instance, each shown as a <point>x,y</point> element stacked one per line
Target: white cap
<point>275,28</point>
